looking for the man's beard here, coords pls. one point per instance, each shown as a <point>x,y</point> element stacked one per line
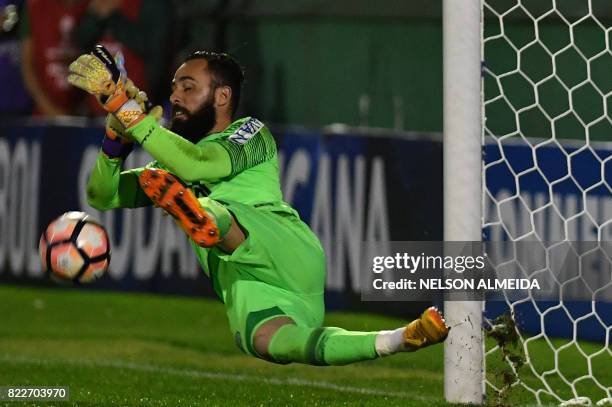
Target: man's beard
<point>197,124</point>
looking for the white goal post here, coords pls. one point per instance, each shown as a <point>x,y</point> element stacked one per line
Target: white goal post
<point>463,350</point>
<point>528,170</point>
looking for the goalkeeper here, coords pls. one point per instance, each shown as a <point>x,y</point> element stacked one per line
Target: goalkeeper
<point>218,178</point>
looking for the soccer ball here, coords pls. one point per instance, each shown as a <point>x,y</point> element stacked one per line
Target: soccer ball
<point>75,248</point>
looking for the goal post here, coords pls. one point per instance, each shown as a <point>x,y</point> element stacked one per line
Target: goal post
<point>463,350</point>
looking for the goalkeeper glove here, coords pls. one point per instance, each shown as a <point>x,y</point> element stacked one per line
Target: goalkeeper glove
<point>117,143</point>
<point>103,76</point>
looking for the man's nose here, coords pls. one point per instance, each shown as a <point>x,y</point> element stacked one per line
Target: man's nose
<point>174,98</point>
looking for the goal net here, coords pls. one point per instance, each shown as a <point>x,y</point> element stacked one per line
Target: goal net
<point>547,198</point>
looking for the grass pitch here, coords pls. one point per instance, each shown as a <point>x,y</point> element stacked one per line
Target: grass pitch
<point>137,349</point>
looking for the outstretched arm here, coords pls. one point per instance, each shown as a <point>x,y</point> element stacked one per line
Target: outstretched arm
<point>208,160</point>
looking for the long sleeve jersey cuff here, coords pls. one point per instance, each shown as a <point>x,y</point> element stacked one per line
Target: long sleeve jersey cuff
<point>143,129</point>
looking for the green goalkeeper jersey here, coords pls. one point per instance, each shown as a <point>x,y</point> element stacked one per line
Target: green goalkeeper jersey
<point>238,169</point>
<point>238,164</point>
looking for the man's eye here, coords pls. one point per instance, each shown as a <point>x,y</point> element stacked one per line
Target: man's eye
<point>187,89</point>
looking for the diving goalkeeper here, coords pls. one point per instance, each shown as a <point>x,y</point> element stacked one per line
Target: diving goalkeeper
<point>218,177</point>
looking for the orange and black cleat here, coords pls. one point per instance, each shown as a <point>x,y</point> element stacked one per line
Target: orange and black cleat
<point>173,196</point>
<point>430,328</point>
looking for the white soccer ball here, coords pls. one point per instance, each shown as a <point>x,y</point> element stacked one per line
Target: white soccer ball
<point>75,248</point>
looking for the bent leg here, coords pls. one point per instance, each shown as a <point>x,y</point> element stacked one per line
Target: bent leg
<point>206,222</point>
<point>230,233</point>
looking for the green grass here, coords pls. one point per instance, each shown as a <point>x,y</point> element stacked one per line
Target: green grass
<point>566,374</point>
<point>137,349</point>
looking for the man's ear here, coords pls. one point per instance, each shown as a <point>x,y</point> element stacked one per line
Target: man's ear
<point>223,96</point>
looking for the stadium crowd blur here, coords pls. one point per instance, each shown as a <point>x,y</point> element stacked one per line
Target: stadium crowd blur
<point>361,77</point>
<point>39,39</point>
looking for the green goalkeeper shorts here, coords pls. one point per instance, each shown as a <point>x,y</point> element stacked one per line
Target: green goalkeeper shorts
<point>279,270</point>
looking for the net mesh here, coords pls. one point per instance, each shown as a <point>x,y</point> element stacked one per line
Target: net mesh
<point>547,196</point>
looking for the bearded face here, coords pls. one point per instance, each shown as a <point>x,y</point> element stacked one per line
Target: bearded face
<point>195,125</point>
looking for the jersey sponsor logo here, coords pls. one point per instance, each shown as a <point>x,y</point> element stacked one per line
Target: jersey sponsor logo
<point>245,132</point>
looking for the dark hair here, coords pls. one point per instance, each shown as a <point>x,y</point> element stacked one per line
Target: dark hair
<point>225,71</point>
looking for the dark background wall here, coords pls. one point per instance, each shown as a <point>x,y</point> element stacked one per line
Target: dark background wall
<point>380,64</point>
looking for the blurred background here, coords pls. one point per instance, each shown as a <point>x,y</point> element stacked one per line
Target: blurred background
<point>307,62</point>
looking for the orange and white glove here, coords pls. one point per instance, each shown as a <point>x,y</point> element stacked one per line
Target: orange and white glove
<point>117,143</point>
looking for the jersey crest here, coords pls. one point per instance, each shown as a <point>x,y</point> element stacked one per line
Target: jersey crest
<point>246,131</point>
